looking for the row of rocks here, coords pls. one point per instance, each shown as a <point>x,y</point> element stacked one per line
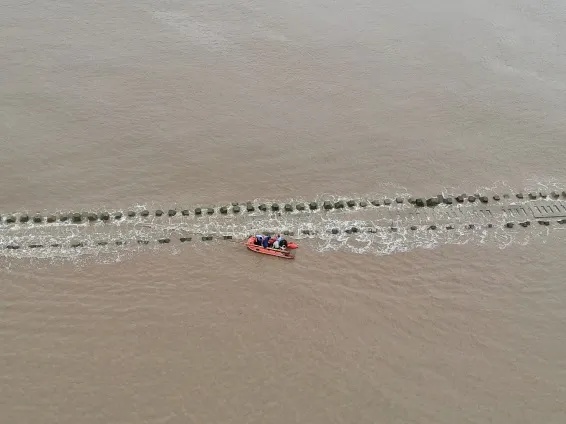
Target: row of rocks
<point>449,200</point>
<point>435,227</point>
<point>249,207</point>
<point>78,244</point>
<point>352,230</point>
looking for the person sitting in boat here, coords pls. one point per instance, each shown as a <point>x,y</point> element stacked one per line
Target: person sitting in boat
<point>280,242</point>
<point>259,239</point>
<point>265,242</point>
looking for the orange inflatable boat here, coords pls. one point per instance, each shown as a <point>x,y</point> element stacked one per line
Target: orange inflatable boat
<point>288,253</point>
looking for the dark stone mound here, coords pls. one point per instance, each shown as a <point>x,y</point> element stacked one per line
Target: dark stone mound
<point>163,240</point>
<point>262,207</point>
<point>375,203</point>
<point>351,203</point>
<point>420,202</point>
<point>236,209</point>
<point>471,199</point>
<point>525,224</point>
<point>562,221</point>
<point>399,200</point>
<point>411,200</point>
<point>460,199</point>
<point>543,222</point>
<point>91,216</point>
<point>432,202</point>
<point>234,203</point>
<point>198,211</point>
<point>144,213</point>
<point>432,227</point>
<point>300,206</point>
<point>510,225</point>
<point>449,227</point>
<point>37,219</point>
<point>394,229</point>
<point>519,195</point>
<point>76,217</point>
<point>555,195</point>
<point>131,214</point>
<point>414,227</point>
<point>387,202</point>
<point>275,207</point>
<point>51,219</point>
<point>102,243</point>
<point>564,193</point>
<point>77,244</point>
<point>159,212</point>
<point>355,229</point>
<point>206,238</point>
<point>339,204</point>
<point>484,199</point>
<point>24,218</point>
<point>10,219</point>
<point>306,232</point>
<point>55,245</point>
<point>543,194</point>
<point>335,231</point>
<point>143,241</point>
<point>118,215</point>
<point>497,198</point>
<point>13,247</point>
<point>119,243</point>
<point>185,212</point>
<point>210,211</point>
<point>227,237</point>
<point>489,225</point>
<point>104,216</point>
<point>532,196</point>
<point>363,204</point>
<point>348,231</point>
<point>250,207</point>
<point>448,201</point>
<point>471,226</point>
<point>224,210</point>
<point>288,207</point>
<point>63,218</point>
<point>35,246</point>
<point>185,239</point>
<point>313,206</point>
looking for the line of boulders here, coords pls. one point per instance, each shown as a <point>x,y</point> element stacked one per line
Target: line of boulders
<point>249,207</point>
<point>306,232</point>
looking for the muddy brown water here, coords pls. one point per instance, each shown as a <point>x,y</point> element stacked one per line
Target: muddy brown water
<point>160,104</point>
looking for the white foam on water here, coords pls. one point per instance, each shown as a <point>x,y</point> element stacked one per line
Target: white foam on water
<point>315,225</point>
